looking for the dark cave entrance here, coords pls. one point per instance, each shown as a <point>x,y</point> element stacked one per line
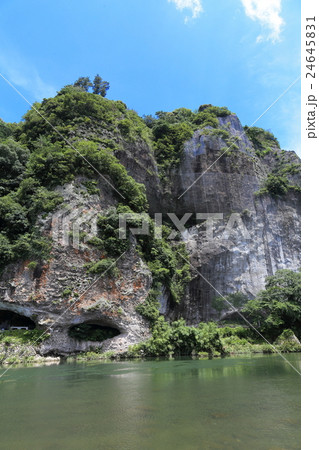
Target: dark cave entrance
<point>10,320</point>
<point>93,332</point>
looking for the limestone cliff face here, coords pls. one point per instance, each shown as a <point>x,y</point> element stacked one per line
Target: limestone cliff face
<point>266,240</point>
<point>216,177</point>
<point>61,294</point>
<point>252,238</point>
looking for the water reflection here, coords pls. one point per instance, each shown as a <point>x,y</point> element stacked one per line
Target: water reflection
<point>224,403</point>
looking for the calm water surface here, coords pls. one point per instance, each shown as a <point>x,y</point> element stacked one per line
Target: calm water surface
<point>232,403</point>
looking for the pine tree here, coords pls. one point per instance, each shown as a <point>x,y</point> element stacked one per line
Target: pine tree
<point>83,83</point>
<point>99,86</point>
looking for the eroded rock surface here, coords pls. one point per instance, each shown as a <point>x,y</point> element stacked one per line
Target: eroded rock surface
<point>253,238</point>
<point>62,294</point>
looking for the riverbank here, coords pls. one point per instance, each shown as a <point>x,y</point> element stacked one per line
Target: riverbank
<point>17,347</point>
<point>231,349</point>
<point>23,346</point>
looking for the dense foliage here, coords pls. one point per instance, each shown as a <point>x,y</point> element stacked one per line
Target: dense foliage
<point>13,160</point>
<point>275,185</point>
<point>23,197</point>
<point>278,306</point>
<point>35,158</point>
<point>19,236</point>
<point>172,129</point>
<point>54,164</point>
<point>178,339</point>
<point>6,129</point>
<point>277,182</point>
<point>168,261</point>
<point>74,109</point>
<point>15,337</point>
<point>207,340</point>
<point>262,140</point>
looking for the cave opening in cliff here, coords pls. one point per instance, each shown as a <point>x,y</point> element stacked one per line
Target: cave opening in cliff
<point>93,332</point>
<point>10,320</point>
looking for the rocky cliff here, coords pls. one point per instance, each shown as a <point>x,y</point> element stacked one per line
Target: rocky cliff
<point>252,235</point>
<point>239,189</point>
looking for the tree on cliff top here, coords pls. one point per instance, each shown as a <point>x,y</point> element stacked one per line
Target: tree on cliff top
<point>83,83</point>
<point>99,85</point>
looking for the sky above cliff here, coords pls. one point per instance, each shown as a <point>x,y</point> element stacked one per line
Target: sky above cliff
<point>159,55</point>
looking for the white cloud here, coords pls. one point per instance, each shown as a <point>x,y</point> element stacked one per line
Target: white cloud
<point>268,13</point>
<point>194,5</point>
<point>23,75</point>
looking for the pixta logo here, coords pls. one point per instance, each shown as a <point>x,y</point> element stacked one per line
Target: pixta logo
<point>234,222</point>
<point>71,228</point>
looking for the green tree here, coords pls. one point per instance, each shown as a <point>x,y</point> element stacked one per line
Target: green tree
<point>6,129</point>
<point>278,306</point>
<point>13,159</point>
<point>179,339</point>
<point>6,253</point>
<point>36,198</point>
<point>261,138</point>
<point>183,338</point>
<point>208,339</point>
<point>83,83</point>
<point>13,217</point>
<point>53,164</point>
<point>276,184</point>
<point>99,86</point>
<point>169,143</point>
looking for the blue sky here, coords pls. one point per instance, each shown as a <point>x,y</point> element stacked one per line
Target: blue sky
<point>159,55</point>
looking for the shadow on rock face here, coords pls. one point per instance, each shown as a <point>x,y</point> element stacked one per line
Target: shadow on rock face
<point>92,332</point>
<point>11,320</point>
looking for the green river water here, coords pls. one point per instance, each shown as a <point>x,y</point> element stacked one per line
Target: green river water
<point>230,403</point>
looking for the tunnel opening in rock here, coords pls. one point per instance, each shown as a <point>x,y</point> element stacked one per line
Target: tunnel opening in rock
<point>10,320</point>
<point>93,332</point>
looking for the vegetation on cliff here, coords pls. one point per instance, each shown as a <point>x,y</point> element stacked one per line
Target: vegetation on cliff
<point>277,182</point>
<point>165,258</point>
<point>18,346</point>
<point>278,306</point>
<point>73,111</point>
<point>81,133</point>
<point>170,130</point>
<point>273,310</point>
<point>35,158</point>
<point>263,141</point>
<point>275,313</point>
